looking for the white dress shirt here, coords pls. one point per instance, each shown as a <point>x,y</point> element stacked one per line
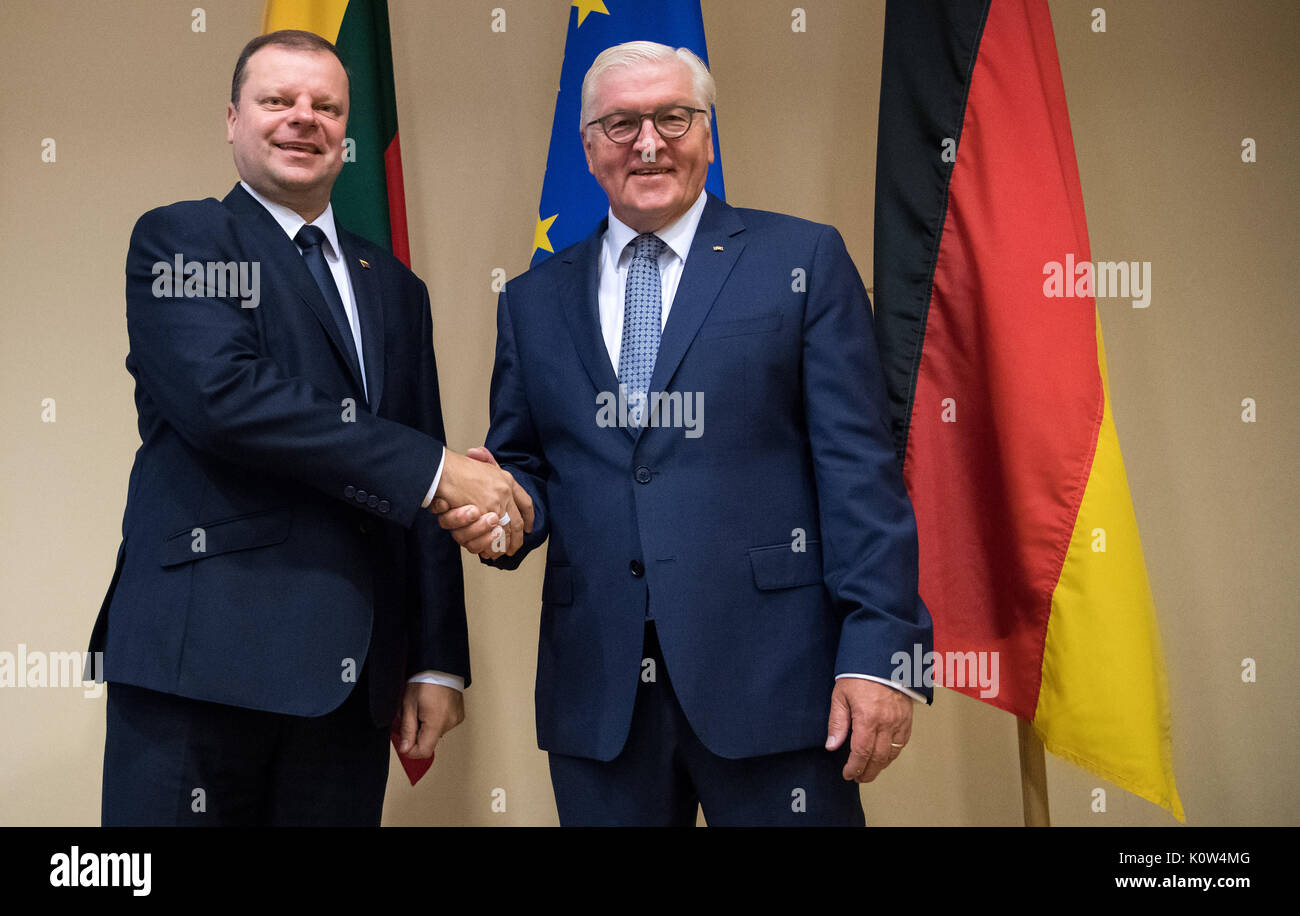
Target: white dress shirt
<point>615,259</point>
<point>291,222</point>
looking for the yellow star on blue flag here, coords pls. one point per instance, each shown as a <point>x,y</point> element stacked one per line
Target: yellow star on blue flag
<point>540,241</point>
<point>587,7</point>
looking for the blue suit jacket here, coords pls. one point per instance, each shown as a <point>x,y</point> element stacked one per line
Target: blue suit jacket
<point>772,327</point>
<point>314,548</point>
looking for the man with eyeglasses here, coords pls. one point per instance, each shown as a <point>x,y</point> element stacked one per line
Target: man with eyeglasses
<point>723,600</point>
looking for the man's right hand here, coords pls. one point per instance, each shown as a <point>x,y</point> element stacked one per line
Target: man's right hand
<point>475,521</point>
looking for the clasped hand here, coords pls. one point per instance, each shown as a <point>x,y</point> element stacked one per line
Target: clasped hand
<point>473,496</point>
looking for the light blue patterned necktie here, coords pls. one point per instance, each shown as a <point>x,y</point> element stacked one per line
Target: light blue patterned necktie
<point>642,307</point>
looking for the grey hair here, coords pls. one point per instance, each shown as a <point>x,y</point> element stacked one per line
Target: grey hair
<point>630,54</point>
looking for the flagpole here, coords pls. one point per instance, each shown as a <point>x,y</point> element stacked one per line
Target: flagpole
<point>1033,776</point>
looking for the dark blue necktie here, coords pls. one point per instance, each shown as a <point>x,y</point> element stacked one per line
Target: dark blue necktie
<point>309,239</point>
<point>643,304</point>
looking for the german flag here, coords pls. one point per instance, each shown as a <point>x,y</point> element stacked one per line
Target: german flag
<point>1028,542</point>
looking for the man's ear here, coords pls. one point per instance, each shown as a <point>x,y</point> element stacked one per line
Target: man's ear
<point>231,114</point>
<point>586,148</point>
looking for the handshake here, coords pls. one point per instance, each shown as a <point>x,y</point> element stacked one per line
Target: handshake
<point>483,506</point>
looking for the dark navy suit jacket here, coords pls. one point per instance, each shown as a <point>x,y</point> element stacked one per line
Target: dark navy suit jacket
<point>314,547</point>
<point>771,326</point>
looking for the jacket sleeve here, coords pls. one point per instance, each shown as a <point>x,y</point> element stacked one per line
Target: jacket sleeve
<point>201,361</point>
<point>868,531</point>
<point>512,437</point>
<point>439,631</point>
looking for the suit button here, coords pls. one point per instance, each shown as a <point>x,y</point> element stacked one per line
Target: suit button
<point>638,570</point>
<point>349,491</point>
<point>372,501</point>
<point>643,474</point>
<point>361,496</point>
<point>383,505</point>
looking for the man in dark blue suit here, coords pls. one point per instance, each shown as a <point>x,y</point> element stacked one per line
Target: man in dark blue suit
<point>693,401</point>
<point>279,578</point>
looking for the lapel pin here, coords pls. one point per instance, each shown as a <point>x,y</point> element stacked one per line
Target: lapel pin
<point>717,247</point>
<point>364,263</point>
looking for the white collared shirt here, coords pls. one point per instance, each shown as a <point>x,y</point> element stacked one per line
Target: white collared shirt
<point>291,222</point>
<point>616,258</point>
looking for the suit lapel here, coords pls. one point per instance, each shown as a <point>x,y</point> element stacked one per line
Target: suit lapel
<point>278,246</point>
<point>713,254</point>
<point>579,298</point>
<point>370,309</point>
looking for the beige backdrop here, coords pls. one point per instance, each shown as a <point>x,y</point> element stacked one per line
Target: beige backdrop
<point>1159,103</point>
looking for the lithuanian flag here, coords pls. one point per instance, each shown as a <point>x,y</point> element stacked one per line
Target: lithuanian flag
<point>368,197</point>
<point>1028,542</point>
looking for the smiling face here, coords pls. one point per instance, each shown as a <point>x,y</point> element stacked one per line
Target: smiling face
<point>288,130</point>
<point>651,181</point>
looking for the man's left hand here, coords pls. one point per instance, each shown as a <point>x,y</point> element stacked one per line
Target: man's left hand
<point>429,711</point>
<point>876,719</point>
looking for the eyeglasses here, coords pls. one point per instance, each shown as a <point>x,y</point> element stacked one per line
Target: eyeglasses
<point>672,122</point>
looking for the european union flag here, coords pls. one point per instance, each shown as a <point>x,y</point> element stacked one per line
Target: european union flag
<point>572,203</point>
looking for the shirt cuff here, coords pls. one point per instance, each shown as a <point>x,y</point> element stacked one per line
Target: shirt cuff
<point>880,680</point>
<point>441,678</point>
<point>433,487</point>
